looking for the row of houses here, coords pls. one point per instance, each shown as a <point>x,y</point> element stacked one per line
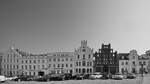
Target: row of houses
<point>81,61</point>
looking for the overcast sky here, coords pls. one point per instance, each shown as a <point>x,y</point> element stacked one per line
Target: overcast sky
<point>40,26</point>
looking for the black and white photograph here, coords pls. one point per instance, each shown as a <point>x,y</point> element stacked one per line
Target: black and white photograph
<point>74,41</point>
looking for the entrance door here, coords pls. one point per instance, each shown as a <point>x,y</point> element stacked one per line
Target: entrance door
<point>105,69</point>
<point>41,73</point>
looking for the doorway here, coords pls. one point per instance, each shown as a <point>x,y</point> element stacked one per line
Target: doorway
<point>41,73</point>
<point>105,69</point>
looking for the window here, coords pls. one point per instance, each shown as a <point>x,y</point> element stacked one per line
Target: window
<point>83,50</point>
<point>76,63</point>
<point>126,63</point>
<point>87,63</point>
<point>29,66</point>
<point>43,61</point>
<point>122,63</point>
<point>34,67</point>
<point>79,63</point>
<point>66,59</point>
<point>70,59</point>
<point>70,65</point>
<point>53,65</point>
<point>133,63</point>
<point>62,65</point>
<point>39,61</point>
<point>4,67</point>
<point>90,63</point>
<point>83,56</point>
<point>17,67</point>
<point>89,56</point>
<point>133,57</point>
<point>43,66</point>
<point>34,61</point>
<point>30,61</point>
<point>62,60</point>
<point>54,59</point>
<point>140,63</point>
<point>58,65</point>
<point>26,66</point>
<point>26,61</point>
<point>78,56</point>
<point>22,61</point>
<point>49,59</point>
<point>58,59</point>
<point>10,60</point>
<point>22,67</point>
<point>66,65</point>
<point>83,63</point>
<point>14,66</point>
<point>76,70</point>
<point>144,63</point>
<point>49,65</point>
<point>4,60</point>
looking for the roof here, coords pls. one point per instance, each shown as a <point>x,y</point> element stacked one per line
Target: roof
<point>143,57</point>
<point>23,53</point>
<point>123,56</point>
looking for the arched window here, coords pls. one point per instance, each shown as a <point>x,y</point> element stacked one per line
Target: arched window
<point>79,70</point>
<point>87,70</point>
<point>90,70</point>
<point>83,56</point>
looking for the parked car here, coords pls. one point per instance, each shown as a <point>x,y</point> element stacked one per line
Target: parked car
<point>74,76</point>
<point>41,78</point>
<point>2,78</point>
<point>57,77</point>
<point>130,76</point>
<point>86,76</point>
<point>23,78</point>
<point>117,76</point>
<point>80,76</point>
<point>105,76</point>
<point>67,76</point>
<point>96,75</point>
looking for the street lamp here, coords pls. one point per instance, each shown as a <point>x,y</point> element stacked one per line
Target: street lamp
<point>142,69</point>
<point>141,73</point>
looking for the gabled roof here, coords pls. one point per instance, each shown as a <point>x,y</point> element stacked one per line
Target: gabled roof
<point>143,57</point>
<point>23,53</point>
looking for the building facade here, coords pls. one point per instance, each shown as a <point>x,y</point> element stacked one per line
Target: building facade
<point>133,61</point>
<point>60,62</point>
<point>106,60</point>
<point>33,64</point>
<point>10,63</point>
<point>123,63</point>
<point>83,59</point>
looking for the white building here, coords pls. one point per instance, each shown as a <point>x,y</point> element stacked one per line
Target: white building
<point>83,59</point>
<point>60,62</point>
<point>123,63</point>
<point>10,62</point>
